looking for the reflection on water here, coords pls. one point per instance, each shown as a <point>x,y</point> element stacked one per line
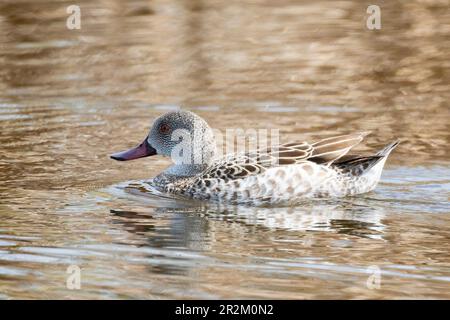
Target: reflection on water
<point>323,215</point>
<point>312,214</point>
<point>68,98</point>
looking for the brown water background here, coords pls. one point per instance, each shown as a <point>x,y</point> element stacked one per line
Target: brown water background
<point>69,98</point>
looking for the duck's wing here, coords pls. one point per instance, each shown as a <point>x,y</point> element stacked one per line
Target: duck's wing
<point>323,152</point>
<point>328,150</point>
<point>239,166</point>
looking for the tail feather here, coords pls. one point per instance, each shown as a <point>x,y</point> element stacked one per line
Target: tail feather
<point>358,165</point>
<point>386,150</point>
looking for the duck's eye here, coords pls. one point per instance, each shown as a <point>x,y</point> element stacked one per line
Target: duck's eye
<point>164,128</point>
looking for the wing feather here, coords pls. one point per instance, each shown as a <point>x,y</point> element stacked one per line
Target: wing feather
<point>328,150</point>
<point>324,152</point>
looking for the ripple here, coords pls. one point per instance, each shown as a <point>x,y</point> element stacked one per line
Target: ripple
<point>71,98</point>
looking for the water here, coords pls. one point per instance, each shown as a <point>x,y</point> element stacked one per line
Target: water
<point>69,98</point>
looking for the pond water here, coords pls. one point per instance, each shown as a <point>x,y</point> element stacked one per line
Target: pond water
<point>69,98</point>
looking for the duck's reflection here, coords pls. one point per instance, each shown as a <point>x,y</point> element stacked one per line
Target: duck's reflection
<point>188,234</point>
<point>313,215</point>
<point>192,224</point>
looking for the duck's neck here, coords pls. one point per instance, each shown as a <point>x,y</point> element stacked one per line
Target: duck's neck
<point>185,170</point>
<point>199,159</point>
<point>193,158</point>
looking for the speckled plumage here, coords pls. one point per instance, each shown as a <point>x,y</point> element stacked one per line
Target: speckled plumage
<point>283,174</point>
<point>231,179</point>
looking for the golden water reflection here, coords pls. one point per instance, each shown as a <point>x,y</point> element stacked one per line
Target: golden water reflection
<point>68,98</point>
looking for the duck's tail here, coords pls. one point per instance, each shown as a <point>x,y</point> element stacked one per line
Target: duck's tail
<point>387,150</point>
<point>359,165</point>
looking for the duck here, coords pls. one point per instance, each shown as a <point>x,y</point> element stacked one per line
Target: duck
<point>284,174</point>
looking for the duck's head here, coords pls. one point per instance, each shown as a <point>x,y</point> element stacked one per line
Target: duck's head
<point>181,135</point>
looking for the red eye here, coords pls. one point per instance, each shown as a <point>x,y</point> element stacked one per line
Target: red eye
<point>164,128</point>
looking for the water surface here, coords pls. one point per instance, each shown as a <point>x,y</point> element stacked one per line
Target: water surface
<point>69,98</point>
